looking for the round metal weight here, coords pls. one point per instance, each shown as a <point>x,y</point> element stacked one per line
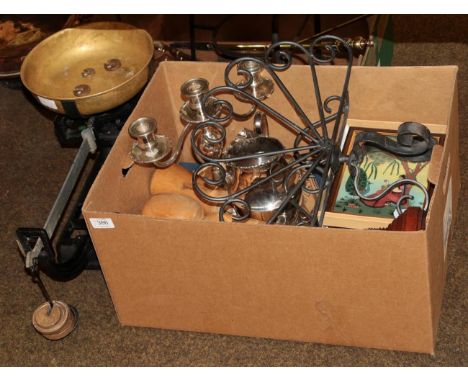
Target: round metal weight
<point>55,323</point>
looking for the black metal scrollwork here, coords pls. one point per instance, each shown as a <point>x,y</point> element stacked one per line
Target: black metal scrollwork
<point>311,164</point>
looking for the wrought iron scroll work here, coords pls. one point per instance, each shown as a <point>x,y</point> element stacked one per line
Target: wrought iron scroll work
<point>414,143</point>
<point>313,150</point>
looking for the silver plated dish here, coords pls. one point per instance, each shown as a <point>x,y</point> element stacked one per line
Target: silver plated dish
<point>241,147</point>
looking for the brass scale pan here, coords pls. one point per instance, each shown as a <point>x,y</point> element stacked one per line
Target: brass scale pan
<point>88,70</point>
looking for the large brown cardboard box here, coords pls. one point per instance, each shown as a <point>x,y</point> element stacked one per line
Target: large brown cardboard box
<point>364,288</point>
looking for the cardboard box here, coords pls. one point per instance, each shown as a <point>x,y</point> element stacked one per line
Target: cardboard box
<point>364,288</point>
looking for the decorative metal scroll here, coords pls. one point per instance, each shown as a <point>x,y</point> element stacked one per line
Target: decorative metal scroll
<point>315,154</point>
<point>315,151</point>
<point>255,175</point>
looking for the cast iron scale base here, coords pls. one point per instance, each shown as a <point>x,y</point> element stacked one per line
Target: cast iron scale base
<point>74,250</point>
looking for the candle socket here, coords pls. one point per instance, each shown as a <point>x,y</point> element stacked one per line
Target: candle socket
<point>149,147</point>
<point>261,86</point>
<point>194,91</point>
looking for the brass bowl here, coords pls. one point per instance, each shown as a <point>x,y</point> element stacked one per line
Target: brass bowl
<point>84,71</point>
